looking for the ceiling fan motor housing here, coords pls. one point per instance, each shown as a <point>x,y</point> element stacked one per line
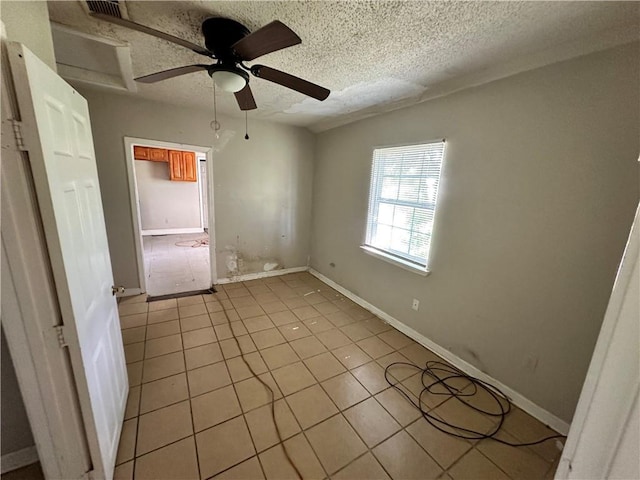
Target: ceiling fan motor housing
<point>220,34</point>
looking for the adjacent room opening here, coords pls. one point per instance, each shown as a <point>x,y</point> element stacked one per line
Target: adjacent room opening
<point>172,192</point>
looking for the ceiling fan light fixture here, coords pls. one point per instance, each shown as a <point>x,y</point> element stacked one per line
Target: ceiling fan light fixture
<point>229,79</point>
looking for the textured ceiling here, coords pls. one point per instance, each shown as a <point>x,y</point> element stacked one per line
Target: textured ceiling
<point>374,56</point>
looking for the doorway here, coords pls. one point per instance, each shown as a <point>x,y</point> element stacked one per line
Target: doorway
<point>171,195</point>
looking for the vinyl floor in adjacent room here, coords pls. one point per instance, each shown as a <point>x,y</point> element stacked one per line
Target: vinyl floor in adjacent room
<point>176,263</point>
<point>195,411</point>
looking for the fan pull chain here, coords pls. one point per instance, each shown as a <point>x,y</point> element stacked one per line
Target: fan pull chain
<point>215,125</point>
<point>246,126</point>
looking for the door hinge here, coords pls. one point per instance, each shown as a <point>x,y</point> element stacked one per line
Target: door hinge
<point>62,342</point>
<point>17,133</point>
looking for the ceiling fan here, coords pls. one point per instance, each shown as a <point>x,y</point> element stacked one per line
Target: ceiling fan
<point>231,44</point>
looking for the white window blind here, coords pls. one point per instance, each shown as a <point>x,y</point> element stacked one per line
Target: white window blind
<point>402,200</point>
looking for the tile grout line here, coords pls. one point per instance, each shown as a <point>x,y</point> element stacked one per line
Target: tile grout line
<point>269,370</point>
<point>135,445</point>
<point>302,430</point>
<point>340,411</point>
<point>285,402</point>
<point>193,426</point>
<point>233,383</point>
<point>284,397</point>
<point>302,360</point>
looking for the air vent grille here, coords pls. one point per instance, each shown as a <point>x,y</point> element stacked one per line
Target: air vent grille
<point>107,7</point>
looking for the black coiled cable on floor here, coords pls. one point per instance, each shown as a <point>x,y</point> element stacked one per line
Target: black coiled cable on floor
<point>437,376</point>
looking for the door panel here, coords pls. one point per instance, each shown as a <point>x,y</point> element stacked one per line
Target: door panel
<point>175,165</point>
<point>57,134</point>
<point>189,168</point>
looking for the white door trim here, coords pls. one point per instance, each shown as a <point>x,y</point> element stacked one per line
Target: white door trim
<point>198,159</point>
<point>31,312</point>
<point>211,223</point>
<point>129,142</point>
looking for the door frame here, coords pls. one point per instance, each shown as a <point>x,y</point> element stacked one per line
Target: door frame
<point>134,202</point>
<point>198,160</point>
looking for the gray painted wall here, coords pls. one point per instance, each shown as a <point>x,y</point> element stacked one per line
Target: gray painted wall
<point>27,23</point>
<point>16,432</point>
<point>538,192</point>
<point>262,187</point>
<point>165,204</point>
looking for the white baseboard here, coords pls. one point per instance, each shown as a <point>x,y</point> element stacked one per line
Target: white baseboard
<point>171,231</point>
<point>255,276</point>
<point>21,458</point>
<point>518,399</point>
<point>129,292</point>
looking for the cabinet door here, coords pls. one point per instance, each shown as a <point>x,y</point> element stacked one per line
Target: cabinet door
<point>158,154</point>
<point>189,167</point>
<point>140,153</point>
<point>176,168</point>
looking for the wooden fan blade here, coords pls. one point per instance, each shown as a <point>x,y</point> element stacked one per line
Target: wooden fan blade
<point>173,72</point>
<point>290,81</point>
<point>245,99</point>
<point>150,31</point>
<point>270,38</point>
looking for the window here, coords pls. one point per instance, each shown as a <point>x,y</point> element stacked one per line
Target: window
<point>402,203</point>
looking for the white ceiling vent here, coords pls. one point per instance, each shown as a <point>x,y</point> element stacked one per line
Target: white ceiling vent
<point>115,8</point>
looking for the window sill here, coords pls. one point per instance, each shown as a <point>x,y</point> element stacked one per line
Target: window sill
<point>411,267</point>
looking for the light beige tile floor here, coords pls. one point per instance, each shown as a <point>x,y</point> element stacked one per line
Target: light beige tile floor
<point>195,411</point>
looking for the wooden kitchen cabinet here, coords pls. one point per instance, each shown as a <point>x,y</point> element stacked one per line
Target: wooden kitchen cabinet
<point>175,165</point>
<point>140,153</point>
<point>182,166</point>
<point>158,154</point>
<point>150,153</point>
<point>190,166</point>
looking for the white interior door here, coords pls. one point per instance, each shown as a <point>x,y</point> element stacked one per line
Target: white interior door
<point>57,135</point>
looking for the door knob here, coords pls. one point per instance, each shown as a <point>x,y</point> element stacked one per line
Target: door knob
<point>115,290</point>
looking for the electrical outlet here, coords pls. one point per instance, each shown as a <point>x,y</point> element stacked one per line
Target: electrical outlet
<point>416,304</point>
